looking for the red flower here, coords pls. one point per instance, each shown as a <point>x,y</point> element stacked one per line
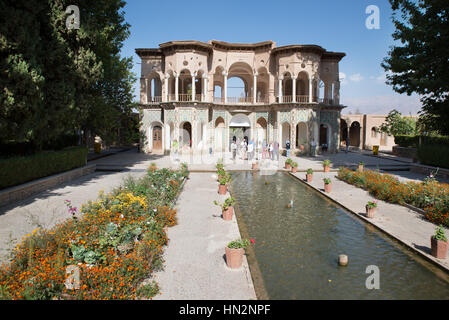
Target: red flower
<point>252,241</point>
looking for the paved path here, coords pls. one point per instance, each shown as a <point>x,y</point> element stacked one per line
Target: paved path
<point>404,224</point>
<point>195,267</point>
<point>47,208</point>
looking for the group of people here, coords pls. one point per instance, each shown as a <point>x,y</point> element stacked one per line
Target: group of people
<point>247,150</point>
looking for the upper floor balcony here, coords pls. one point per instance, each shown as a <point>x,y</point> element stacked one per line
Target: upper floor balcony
<point>260,100</point>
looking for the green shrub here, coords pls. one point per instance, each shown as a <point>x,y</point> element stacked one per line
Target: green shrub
<point>434,155</point>
<point>17,170</point>
<point>406,141</point>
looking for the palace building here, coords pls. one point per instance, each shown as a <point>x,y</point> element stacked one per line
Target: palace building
<point>290,92</point>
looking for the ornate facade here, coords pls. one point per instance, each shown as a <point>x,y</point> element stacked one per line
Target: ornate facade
<point>290,92</point>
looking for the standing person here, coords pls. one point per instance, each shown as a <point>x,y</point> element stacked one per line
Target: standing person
<point>276,150</point>
<point>250,149</point>
<point>287,146</point>
<point>243,149</point>
<point>270,150</point>
<point>233,149</point>
<point>313,148</point>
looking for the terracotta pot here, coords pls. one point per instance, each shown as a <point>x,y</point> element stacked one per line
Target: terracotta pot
<point>309,177</point>
<point>328,187</point>
<point>254,166</point>
<point>222,188</point>
<point>234,257</point>
<point>287,166</point>
<point>360,169</point>
<point>327,168</point>
<point>370,212</point>
<point>294,169</point>
<point>227,214</point>
<point>301,147</point>
<point>438,248</point>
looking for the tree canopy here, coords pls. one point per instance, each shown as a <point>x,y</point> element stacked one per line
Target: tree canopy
<point>57,80</point>
<point>395,124</point>
<point>420,63</point>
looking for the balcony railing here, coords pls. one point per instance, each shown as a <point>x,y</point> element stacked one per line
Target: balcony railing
<point>154,100</point>
<point>240,100</point>
<point>326,100</point>
<point>302,99</point>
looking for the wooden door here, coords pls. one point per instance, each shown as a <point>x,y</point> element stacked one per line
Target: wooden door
<point>157,138</point>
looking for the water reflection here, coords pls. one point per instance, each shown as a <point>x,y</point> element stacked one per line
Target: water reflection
<point>297,248</point>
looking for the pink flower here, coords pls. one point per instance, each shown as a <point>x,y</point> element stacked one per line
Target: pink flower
<point>252,241</point>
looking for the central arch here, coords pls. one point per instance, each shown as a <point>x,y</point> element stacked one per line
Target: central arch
<point>240,127</point>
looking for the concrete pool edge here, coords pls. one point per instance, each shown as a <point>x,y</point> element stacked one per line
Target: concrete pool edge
<point>250,260</point>
<point>424,255</point>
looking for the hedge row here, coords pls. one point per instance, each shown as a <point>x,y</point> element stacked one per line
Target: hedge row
<point>413,141</point>
<point>17,170</point>
<point>434,155</point>
<point>12,148</point>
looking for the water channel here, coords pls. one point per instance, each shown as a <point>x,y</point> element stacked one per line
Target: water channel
<point>297,248</point>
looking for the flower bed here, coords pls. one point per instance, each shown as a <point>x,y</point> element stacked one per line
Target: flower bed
<point>429,195</point>
<point>116,243</point>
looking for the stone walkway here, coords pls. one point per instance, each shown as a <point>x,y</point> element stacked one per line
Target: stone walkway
<point>407,226</point>
<point>195,265</point>
<point>47,208</point>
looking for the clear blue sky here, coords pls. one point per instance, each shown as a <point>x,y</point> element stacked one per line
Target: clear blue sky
<point>336,25</point>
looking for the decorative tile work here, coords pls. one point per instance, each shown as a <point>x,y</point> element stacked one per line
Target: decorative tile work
<point>302,115</point>
<point>185,115</point>
<point>202,116</point>
<point>262,115</point>
<point>284,116</point>
<point>169,116</point>
<point>219,113</point>
<point>154,115</point>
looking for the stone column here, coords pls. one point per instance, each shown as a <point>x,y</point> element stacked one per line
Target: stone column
<point>310,90</point>
<point>205,89</point>
<point>280,88</point>
<point>255,88</point>
<point>146,91</point>
<point>294,88</point>
<point>337,92</point>
<point>142,91</point>
<point>167,76</point>
<point>225,86</point>
<point>176,87</point>
<point>193,87</point>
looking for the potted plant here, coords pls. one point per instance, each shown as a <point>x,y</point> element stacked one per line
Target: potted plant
<point>371,208</point>
<point>234,252</point>
<point>327,165</point>
<point>294,166</point>
<point>327,185</point>
<point>226,208</point>
<point>254,165</point>
<point>220,173</point>
<point>288,163</point>
<point>223,180</point>
<point>439,243</point>
<point>361,165</point>
<point>309,175</point>
<point>152,167</point>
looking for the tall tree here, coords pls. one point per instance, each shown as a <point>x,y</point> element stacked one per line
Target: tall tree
<point>58,79</point>
<point>420,63</point>
<point>395,124</point>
